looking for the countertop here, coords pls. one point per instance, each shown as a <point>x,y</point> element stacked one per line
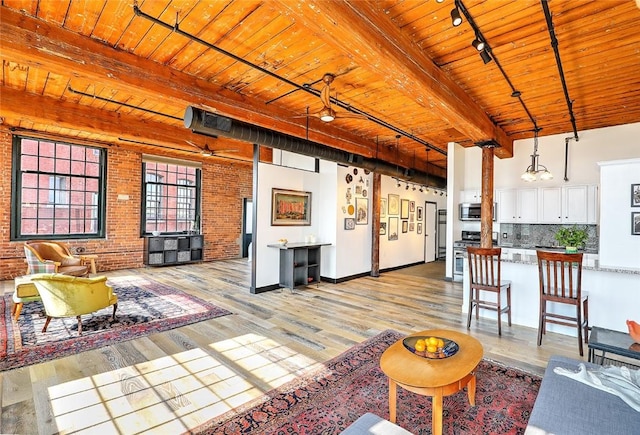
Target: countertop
<point>529,259</point>
<point>294,245</point>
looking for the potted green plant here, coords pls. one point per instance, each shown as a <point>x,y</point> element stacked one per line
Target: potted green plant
<point>571,238</point>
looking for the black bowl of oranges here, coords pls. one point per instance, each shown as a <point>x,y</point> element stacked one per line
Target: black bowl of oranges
<point>431,347</point>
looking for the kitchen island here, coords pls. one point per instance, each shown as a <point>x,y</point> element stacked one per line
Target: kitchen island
<point>613,293</point>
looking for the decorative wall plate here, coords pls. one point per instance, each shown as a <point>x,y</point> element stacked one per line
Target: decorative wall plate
<point>349,178</point>
<point>351,209</point>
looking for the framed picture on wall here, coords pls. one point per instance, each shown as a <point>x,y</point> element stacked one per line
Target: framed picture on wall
<point>349,223</point>
<point>383,207</point>
<point>419,227</point>
<point>412,206</point>
<point>383,228</point>
<point>419,214</point>
<point>635,223</point>
<point>404,209</point>
<point>290,207</point>
<point>635,195</point>
<point>393,205</point>
<point>362,211</point>
<point>405,226</point>
<point>392,234</point>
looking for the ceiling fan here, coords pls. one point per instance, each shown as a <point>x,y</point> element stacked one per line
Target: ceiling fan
<point>327,114</point>
<point>206,151</point>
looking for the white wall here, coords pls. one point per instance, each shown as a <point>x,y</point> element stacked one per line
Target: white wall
<point>350,250</point>
<point>611,143</point>
<point>409,248</point>
<point>618,247</point>
<point>353,247</point>
<point>270,176</point>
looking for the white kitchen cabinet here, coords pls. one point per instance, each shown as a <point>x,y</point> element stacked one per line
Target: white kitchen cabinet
<point>518,205</point>
<point>568,205</point>
<point>473,196</point>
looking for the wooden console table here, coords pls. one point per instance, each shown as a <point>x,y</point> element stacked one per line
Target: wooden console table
<point>299,263</point>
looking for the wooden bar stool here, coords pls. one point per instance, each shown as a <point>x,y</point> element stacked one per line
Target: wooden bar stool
<point>484,276</point>
<point>561,282</point>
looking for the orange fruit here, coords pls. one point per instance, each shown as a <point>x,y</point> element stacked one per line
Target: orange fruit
<point>432,341</point>
<point>432,349</point>
<point>440,343</point>
<point>420,345</point>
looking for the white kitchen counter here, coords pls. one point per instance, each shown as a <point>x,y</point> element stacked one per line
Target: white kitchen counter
<point>614,294</point>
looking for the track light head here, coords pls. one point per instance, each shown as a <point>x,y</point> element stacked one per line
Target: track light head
<point>478,44</point>
<point>486,57</point>
<point>407,188</point>
<point>456,19</point>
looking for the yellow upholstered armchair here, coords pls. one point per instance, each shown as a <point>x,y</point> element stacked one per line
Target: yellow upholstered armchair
<point>68,296</point>
<point>42,254</point>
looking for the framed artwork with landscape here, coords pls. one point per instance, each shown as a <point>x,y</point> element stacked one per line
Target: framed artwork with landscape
<point>392,233</point>
<point>290,207</point>
<point>635,223</point>
<point>635,195</point>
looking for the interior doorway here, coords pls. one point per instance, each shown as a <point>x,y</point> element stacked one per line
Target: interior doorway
<point>430,225</point>
<point>247,226</point>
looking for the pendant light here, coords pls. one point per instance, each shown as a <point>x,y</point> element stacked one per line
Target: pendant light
<point>535,168</point>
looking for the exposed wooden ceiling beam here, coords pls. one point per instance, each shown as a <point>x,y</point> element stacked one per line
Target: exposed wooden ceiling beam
<point>37,43</point>
<point>367,33</point>
<point>19,106</point>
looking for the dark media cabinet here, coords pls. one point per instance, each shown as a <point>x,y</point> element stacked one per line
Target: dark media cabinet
<point>173,249</point>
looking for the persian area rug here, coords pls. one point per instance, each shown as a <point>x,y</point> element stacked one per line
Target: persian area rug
<point>144,307</point>
<point>330,399</point>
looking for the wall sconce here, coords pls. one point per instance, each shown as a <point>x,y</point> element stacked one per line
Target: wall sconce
<point>535,168</point>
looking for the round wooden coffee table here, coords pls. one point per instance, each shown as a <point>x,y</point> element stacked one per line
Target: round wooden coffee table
<point>432,377</point>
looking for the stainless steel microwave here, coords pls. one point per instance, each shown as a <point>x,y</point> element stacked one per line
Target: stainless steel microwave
<point>470,211</point>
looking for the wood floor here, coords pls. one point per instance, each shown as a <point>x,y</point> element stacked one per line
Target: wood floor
<point>170,382</point>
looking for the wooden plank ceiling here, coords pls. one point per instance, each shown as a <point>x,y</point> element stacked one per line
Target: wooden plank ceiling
<point>95,70</point>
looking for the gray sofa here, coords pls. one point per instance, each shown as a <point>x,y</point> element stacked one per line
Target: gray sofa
<point>565,406</point>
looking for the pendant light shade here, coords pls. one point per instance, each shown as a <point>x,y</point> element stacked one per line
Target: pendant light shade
<point>535,168</point>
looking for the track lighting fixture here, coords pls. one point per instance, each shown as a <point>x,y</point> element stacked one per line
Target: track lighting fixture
<point>398,183</point>
<point>486,57</point>
<point>441,193</point>
<point>478,43</point>
<point>414,187</point>
<point>421,189</point>
<point>456,19</point>
<point>407,188</point>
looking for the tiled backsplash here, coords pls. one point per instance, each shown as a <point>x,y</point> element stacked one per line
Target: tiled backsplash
<point>532,235</point>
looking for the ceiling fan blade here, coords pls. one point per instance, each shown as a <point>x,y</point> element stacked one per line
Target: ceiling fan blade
<point>350,115</point>
<point>325,96</point>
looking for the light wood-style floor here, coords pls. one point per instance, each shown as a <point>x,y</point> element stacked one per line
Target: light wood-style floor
<point>170,382</point>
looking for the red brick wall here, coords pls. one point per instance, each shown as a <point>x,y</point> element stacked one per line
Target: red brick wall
<point>224,185</point>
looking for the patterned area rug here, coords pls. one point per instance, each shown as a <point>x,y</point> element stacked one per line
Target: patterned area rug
<point>328,400</point>
<point>144,307</point>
